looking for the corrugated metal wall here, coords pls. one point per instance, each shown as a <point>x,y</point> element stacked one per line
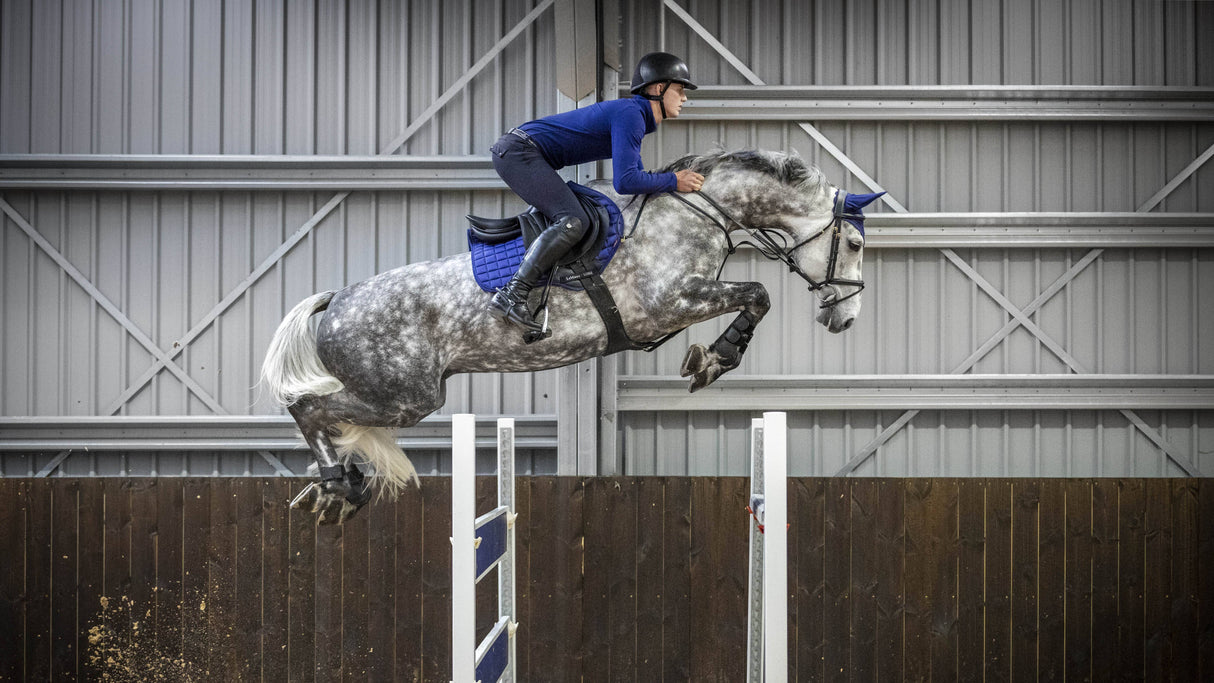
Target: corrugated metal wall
<point>1132,311</point>
<point>433,82</point>
<point>235,78</point>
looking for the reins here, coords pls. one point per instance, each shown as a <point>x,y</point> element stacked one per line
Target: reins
<point>773,244</point>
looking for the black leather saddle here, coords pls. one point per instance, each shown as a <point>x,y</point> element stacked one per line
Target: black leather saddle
<point>531,223</point>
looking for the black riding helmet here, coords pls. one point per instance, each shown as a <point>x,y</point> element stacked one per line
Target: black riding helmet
<point>660,67</point>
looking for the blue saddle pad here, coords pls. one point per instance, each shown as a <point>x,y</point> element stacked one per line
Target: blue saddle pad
<point>494,264</point>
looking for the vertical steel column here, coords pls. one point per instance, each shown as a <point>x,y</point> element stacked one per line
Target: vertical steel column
<point>577,55</point>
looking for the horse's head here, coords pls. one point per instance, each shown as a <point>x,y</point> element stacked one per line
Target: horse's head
<point>794,215</point>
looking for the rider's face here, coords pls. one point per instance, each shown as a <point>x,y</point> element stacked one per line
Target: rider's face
<point>674,99</point>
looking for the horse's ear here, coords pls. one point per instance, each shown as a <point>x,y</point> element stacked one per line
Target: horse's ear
<point>855,202</point>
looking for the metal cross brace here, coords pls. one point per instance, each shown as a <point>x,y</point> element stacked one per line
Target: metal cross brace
<point>274,258</point>
<point>1019,317</point>
<point>163,359</point>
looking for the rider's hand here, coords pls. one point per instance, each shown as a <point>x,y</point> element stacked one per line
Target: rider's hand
<point>689,181</point>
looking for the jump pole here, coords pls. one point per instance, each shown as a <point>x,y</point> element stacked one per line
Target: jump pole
<point>478,544</point>
<point>767,600</point>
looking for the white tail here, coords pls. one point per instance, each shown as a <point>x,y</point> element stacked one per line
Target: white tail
<point>377,447</point>
<point>292,369</point>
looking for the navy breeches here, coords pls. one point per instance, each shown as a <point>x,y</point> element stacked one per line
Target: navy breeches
<point>519,162</point>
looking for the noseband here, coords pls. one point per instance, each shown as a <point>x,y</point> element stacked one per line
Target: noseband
<point>773,244</point>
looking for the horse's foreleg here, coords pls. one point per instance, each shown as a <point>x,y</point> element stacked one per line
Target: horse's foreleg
<point>708,300</point>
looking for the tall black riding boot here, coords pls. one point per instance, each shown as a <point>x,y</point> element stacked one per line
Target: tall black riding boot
<point>510,302</point>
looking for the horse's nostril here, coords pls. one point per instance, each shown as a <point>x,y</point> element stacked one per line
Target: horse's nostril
<point>847,325</point>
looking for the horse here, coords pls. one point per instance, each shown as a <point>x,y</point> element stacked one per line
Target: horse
<point>384,347</point>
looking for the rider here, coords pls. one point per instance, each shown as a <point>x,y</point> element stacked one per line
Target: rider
<point>528,157</point>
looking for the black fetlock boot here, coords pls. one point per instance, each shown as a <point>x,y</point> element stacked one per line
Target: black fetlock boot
<point>510,302</point>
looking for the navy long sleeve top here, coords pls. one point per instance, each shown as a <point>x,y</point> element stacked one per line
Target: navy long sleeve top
<point>604,130</point>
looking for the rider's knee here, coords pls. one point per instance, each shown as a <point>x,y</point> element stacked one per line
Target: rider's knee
<point>572,226</point>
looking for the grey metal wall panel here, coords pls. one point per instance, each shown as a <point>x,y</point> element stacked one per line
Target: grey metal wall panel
<point>1131,311</point>
<point>343,78</point>
<point>165,260</point>
<point>935,443</point>
<point>276,77</point>
<point>981,167</point>
<point>987,42</point>
<point>185,463</point>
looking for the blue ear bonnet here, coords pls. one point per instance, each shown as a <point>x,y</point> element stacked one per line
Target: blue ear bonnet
<point>854,205</point>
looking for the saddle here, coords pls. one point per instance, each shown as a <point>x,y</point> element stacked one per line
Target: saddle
<point>498,246</point>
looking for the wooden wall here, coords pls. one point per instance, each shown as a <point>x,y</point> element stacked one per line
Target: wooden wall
<point>620,579</point>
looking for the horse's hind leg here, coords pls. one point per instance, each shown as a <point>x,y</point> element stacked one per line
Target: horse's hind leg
<point>341,490</point>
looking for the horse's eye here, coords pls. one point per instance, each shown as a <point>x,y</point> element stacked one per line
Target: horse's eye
<point>856,243</point>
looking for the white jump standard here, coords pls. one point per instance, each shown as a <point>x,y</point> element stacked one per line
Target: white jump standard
<point>478,544</point>
<point>767,603</point>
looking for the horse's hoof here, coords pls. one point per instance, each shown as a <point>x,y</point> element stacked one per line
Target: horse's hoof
<point>336,512</point>
<point>307,498</point>
<point>703,379</point>
<point>331,502</point>
<point>694,362</point>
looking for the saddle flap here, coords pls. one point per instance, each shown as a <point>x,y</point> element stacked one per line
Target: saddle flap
<point>497,230</point>
<point>498,244</point>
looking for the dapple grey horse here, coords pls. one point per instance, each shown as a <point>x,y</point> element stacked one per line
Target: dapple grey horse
<point>384,347</point>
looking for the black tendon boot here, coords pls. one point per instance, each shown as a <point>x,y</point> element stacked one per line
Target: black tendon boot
<point>510,302</point>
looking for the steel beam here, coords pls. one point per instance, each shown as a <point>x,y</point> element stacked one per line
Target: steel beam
<point>922,392</point>
<point>760,102</point>
<point>245,172</point>
<point>1065,230</point>
<point>226,433</point>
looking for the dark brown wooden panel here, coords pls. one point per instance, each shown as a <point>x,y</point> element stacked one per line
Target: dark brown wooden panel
<point>553,613</point>
<point>864,567</point>
<point>1185,582</point>
<point>1205,570</point>
<point>64,620</point>
<point>195,549</point>
<point>807,558</point>
<point>650,594</point>
<point>354,598</point>
<point>276,573</point>
<point>836,607</point>
<point>1051,581</point>
<point>971,560</point>
<point>596,645</point>
<point>890,575</point>
<point>619,579</point>
<point>435,646</point>
<point>1131,600</point>
<point>250,574</point>
<point>14,519</point>
<point>91,537</point>
<point>301,593</point>
<point>1026,519</point>
<point>998,650</point>
<point>677,627</point>
<point>1078,573</point>
<point>1106,495</point>
<point>38,616</point>
<point>1157,579</point>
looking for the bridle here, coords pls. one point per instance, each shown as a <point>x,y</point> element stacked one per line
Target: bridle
<point>773,244</point>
